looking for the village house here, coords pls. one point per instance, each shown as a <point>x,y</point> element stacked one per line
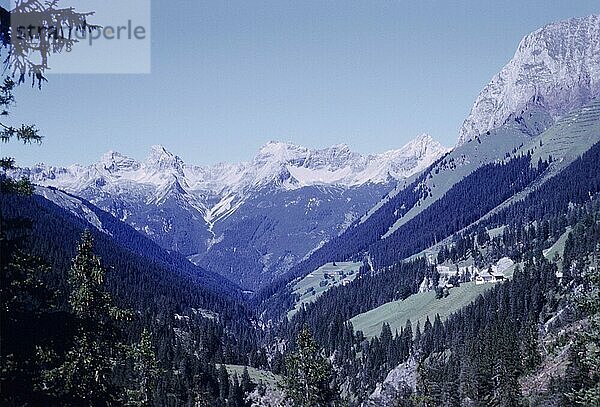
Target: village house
<point>488,277</point>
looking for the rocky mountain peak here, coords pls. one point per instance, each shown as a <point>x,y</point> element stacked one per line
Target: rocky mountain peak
<point>556,67</point>
<point>114,161</point>
<point>161,160</point>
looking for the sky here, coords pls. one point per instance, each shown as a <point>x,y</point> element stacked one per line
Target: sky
<point>228,76</point>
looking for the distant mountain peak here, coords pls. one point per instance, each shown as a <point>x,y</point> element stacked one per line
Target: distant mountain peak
<point>277,164</point>
<point>422,145</point>
<point>161,160</point>
<point>555,70</point>
<point>158,152</point>
<point>114,161</point>
<point>279,151</point>
<point>423,137</point>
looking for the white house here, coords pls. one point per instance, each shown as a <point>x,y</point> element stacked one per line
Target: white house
<point>486,277</point>
<point>443,269</point>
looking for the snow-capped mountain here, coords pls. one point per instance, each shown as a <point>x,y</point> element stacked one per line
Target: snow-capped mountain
<point>294,166</point>
<point>282,165</point>
<point>555,69</point>
<point>300,196</point>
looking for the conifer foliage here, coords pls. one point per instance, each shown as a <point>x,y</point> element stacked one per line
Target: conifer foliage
<point>144,372</point>
<point>586,352</point>
<point>86,375</point>
<point>309,375</point>
<point>27,311</point>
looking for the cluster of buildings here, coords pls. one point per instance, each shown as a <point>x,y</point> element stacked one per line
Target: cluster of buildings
<point>492,274</point>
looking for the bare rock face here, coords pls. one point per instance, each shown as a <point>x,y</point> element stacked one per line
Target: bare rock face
<point>555,69</point>
<point>399,383</point>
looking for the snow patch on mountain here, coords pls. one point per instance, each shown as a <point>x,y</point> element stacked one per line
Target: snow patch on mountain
<point>556,68</point>
<point>269,211</point>
<point>216,191</point>
<point>73,205</point>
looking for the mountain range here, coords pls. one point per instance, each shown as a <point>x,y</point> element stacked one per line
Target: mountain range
<point>254,221</point>
<point>249,221</point>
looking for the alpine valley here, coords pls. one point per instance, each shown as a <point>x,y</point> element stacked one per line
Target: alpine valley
<point>422,276</point>
<point>249,222</point>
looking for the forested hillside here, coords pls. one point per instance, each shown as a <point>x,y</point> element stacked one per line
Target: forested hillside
<point>524,238</point>
<point>176,303</point>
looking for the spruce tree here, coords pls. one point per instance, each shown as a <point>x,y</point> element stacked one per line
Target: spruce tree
<point>309,375</point>
<point>29,321</point>
<point>236,395</point>
<point>246,382</point>
<point>144,372</point>
<point>407,335</point>
<point>86,375</point>
<point>27,56</point>
<point>223,383</point>
<point>529,348</point>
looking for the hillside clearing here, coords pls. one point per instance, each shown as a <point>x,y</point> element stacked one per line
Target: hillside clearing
<point>417,307</point>
<point>322,279</point>
<point>257,375</point>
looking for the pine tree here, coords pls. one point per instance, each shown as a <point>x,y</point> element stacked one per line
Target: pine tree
<point>55,32</point>
<point>28,56</point>
<point>28,316</point>
<point>529,344</point>
<point>223,383</point>
<point>144,373</point>
<point>26,303</point>
<point>236,395</point>
<point>309,375</point>
<point>85,376</point>
<point>26,134</point>
<point>408,333</point>
<point>586,350</point>
<point>246,382</point>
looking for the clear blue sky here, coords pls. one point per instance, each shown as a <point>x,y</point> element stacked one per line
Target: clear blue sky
<point>228,76</point>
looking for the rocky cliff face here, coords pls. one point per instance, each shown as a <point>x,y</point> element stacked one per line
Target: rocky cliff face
<point>555,69</point>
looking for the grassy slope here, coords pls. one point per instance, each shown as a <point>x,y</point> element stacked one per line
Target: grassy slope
<point>566,140</point>
<point>416,308</point>
<point>570,137</point>
<point>308,289</point>
<point>558,248</point>
<point>468,158</point>
<point>257,375</point>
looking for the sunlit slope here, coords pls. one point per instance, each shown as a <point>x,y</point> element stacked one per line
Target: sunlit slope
<point>312,286</point>
<point>571,136</point>
<point>461,162</point>
<point>417,307</point>
<point>568,138</point>
<point>257,375</point>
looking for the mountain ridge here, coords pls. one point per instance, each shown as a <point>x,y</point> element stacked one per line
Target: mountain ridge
<point>555,68</point>
<point>292,165</point>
